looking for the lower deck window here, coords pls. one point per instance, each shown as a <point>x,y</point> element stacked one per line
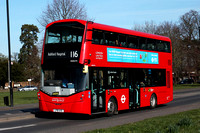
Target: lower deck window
<point>113,78</point>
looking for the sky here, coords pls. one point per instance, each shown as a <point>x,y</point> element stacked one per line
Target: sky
<point>120,13</point>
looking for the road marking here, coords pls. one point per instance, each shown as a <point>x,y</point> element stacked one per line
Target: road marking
<point>10,128</point>
<point>7,113</point>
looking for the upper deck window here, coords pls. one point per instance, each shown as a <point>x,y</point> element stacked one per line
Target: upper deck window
<point>163,46</point>
<point>63,33</point>
<point>151,44</point>
<point>122,40</point>
<point>129,41</point>
<point>132,42</point>
<point>98,37</point>
<point>111,39</point>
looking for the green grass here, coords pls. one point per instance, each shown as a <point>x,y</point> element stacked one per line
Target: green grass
<point>184,122</point>
<point>25,97</point>
<point>185,86</point>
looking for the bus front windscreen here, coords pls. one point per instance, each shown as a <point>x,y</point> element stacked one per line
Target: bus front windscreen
<point>65,33</point>
<point>64,81</point>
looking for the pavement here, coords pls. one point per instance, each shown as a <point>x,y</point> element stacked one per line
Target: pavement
<point>18,112</point>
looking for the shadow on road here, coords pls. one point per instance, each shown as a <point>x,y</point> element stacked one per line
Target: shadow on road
<point>71,116</point>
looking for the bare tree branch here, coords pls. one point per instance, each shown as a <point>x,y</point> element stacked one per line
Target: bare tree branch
<point>189,23</point>
<point>148,27</point>
<point>63,9</point>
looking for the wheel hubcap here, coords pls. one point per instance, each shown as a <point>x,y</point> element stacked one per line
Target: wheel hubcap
<point>153,101</point>
<point>111,106</point>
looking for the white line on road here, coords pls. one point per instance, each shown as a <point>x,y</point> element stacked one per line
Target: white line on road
<point>10,128</point>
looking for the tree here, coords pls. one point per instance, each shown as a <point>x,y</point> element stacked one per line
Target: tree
<point>28,38</point>
<point>2,57</point>
<point>14,57</point>
<point>148,27</point>
<point>17,72</point>
<point>3,70</point>
<point>189,24</point>
<point>63,9</point>
<point>28,56</point>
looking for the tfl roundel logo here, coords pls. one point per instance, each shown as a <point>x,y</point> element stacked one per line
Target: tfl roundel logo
<point>123,98</point>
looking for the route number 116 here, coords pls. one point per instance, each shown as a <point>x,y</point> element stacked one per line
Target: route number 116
<point>73,54</point>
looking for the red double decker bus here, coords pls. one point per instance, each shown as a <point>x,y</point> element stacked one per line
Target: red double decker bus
<point>91,68</point>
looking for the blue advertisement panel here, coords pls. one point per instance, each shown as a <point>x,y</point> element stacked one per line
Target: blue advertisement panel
<point>131,56</point>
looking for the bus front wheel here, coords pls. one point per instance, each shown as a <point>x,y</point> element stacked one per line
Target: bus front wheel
<point>112,107</point>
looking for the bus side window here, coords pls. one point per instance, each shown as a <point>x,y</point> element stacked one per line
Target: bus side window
<point>163,46</point>
<point>97,37</point>
<point>132,42</point>
<point>111,39</point>
<point>151,44</point>
<point>167,47</point>
<point>122,41</point>
<point>158,77</point>
<point>142,43</point>
<point>113,79</point>
<point>123,77</point>
<point>160,46</point>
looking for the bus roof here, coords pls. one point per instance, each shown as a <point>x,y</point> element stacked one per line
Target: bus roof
<point>114,29</point>
<point>67,20</point>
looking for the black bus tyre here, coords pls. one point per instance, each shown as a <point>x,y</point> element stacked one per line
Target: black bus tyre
<point>153,101</point>
<point>112,107</point>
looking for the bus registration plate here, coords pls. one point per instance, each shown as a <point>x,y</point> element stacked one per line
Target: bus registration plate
<point>58,110</point>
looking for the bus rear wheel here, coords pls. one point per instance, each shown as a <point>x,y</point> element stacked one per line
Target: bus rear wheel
<point>153,101</point>
<point>112,107</point>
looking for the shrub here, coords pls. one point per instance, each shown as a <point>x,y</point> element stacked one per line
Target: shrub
<point>172,129</point>
<point>185,122</point>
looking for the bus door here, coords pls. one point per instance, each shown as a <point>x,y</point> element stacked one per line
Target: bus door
<point>97,90</point>
<point>134,87</point>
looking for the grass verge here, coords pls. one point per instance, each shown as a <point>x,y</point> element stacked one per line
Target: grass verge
<point>185,86</point>
<point>184,122</point>
<point>24,97</point>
